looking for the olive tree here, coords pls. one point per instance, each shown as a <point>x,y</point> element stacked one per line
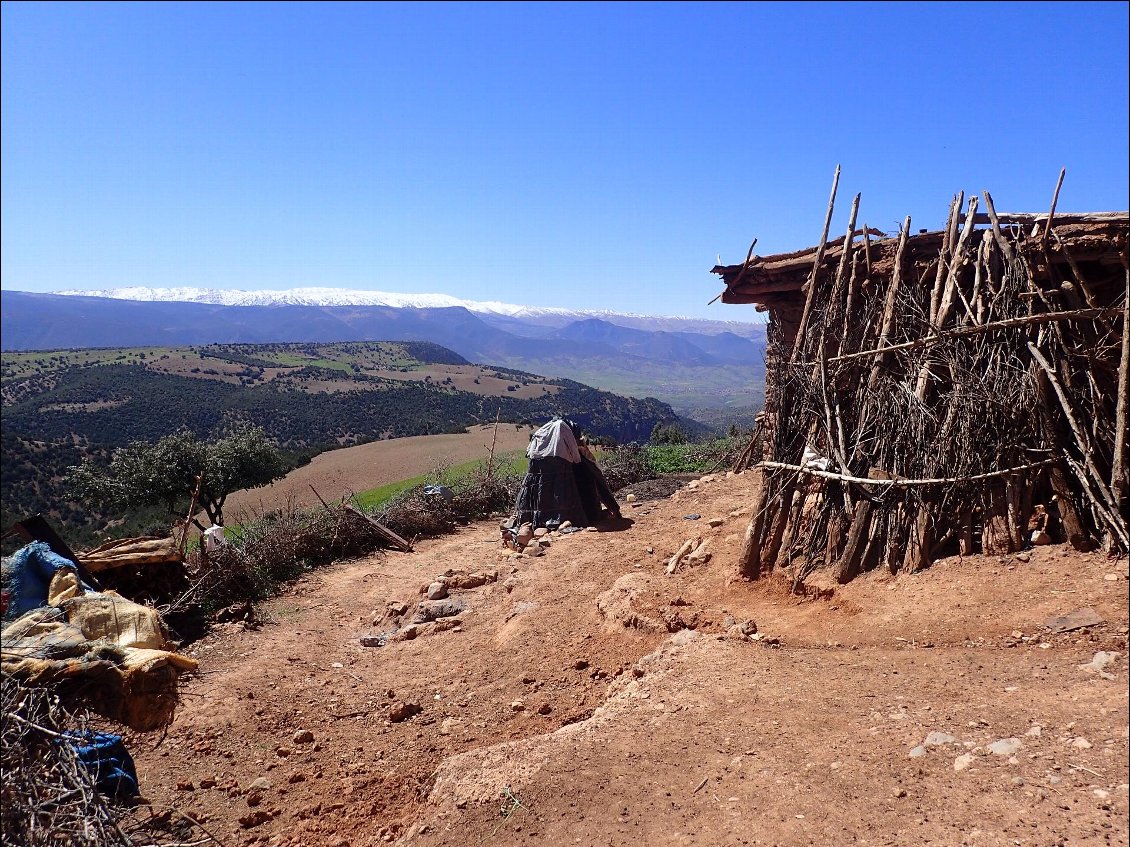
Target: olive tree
<point>167,472</point>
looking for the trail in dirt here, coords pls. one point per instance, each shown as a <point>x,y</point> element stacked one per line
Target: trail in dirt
<point>604,733</point>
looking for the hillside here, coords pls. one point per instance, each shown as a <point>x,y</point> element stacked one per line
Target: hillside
<point>588,697</point>
<point>61,405</point>
<point>682,361</point>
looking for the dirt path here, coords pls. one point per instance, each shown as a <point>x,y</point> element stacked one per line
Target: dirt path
<point>563,700</point>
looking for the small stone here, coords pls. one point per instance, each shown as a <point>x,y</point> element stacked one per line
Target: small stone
<point>917,752</point>
<point>1111,577</point>
<point>1102,793</point>
<point>1023,557</point>
<point>401,711</point>
<point>1081,743</point>
<point>715,522</point>
<point>208,782</point>
<point>900,792</point>
<point>303,736</point>
<point>540,532</point>
<point>1035,731</point>
<point>336,665</point>
<point>962,762</point>
<point>580,665</point>
<point>1017,781</point>
<point>936,739</point>
<point>517,706</point>
<point>1005,746</point>
<point>282,752</point>
<point>631,498</point>
<point>185,786</point>
<point>544,709</point>
<point>437,591</point>
<point>297,777</point>
<point>260,784</point>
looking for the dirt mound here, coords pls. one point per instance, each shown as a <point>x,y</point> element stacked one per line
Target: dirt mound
<point>724,712</point>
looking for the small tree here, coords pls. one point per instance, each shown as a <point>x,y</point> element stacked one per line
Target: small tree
<point>672,434</point>
<point>166,472</point>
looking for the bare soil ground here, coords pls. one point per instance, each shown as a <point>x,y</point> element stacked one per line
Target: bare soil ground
<point>564,710</point>
<point>340,473</point>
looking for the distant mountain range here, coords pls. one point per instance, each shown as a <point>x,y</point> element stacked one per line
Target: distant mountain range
<point>687,362</point>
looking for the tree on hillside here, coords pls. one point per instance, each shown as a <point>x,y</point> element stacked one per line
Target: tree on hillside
<point>166,473</point>
<point>668,434</point>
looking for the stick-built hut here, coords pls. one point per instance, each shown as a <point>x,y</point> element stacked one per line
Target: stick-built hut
<point>942,392</point>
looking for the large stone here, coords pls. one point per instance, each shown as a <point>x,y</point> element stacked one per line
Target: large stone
<point>430,610</point>
<point>437,591</point>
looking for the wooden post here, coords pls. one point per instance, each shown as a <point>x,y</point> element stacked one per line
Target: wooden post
<point>850,562</point>
<point>775,532</point>
<point>811,285</point>
<point>749,559</point>
<point>920,541</point>
<point>996,536</point>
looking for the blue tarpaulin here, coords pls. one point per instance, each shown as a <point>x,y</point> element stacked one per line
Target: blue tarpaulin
<point>108,761</point>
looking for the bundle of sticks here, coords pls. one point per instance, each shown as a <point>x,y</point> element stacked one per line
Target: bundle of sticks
<point>926,393</point>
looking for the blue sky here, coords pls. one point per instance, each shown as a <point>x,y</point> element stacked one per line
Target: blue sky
<point>590,155</point>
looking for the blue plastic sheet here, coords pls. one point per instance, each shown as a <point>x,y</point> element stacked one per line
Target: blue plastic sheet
<point>108,761</point>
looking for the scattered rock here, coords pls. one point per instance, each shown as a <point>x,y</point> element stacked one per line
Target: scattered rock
<point>1005,746</point>
<point>1023,557</point>
<point>373,640</point>
<point>580,665</point>
<point>937,739</point>
<point>631,498</point>
<point>517,706</point>
<point>962,762</point>
<point>398,608</point>
<point>402,711</point>
<point>208,782</point>
<point>406,634</point>
<point>303,736</point>
<point>900,792</point>
<point>541,532</point>
<point>260,784</point>
<point>1035,731</point>
<point>1073,620</point>
<point>544,709</point>
<point>459,580</point>
<point>437,591</point>
<point>185,786</point>
<point>255,818</point>
<point>282,752</point>
<point>430,610</point>
<point>715,522</point>
<point>1081,743</point>
<point>917,752</point>
<point>1099,662</point>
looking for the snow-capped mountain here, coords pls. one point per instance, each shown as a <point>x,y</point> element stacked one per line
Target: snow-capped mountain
<point>544,315</point>
<point>329,297</point>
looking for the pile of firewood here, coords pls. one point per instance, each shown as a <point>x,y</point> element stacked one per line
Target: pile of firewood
<point>943,392</point>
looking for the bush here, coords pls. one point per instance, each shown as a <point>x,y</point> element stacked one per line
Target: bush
<point>625,466</point>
